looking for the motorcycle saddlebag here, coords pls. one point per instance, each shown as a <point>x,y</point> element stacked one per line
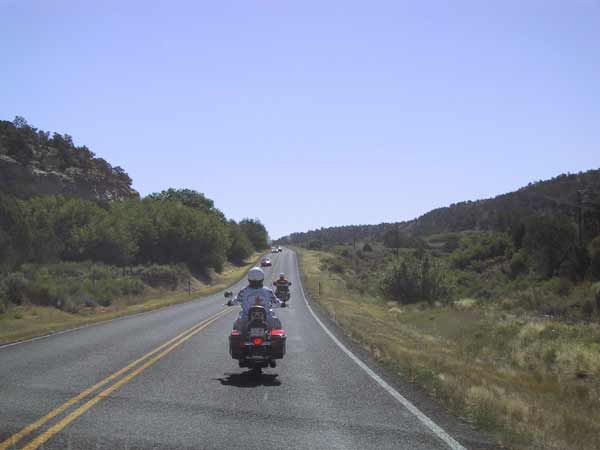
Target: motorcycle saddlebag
<point>236,347</point>
<point>278,339</point>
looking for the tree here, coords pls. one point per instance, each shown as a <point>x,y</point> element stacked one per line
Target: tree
<point>188,197</point>
<point>594,252</point>
<point>256,232</point>
<point>13,141</point>
<point>40,213</point>
<point>15,234</point>
<point>241,247</point>
<point>178,233</point>
<point>550,241</point>
<point>107,240</point>
<point>20,122</point>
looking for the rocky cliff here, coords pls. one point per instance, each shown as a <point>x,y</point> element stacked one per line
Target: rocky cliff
<point>33,163</point>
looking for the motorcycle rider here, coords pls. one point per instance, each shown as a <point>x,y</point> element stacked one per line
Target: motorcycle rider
<point>256,294</point>
<point>282,284</point>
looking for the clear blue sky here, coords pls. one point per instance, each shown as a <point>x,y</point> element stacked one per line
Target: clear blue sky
<point>314,113</point>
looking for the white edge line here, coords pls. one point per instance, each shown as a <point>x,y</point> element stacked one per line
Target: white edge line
<point>433,427</point>
<point>102,322</point>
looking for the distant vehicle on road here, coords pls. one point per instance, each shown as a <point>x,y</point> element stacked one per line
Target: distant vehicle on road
<point>274,250</point>
<point>279,249</point>
<point>265,262</point>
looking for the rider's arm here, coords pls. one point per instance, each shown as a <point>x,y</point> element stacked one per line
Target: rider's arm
<point>237,299</point>
<point>274,300</point>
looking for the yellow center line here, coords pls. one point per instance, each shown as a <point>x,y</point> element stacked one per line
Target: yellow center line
<point>12,440</point>
<point>42,438</point>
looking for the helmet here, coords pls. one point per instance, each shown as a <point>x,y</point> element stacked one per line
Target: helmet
<point>256,274</point>
<point>282,275</point>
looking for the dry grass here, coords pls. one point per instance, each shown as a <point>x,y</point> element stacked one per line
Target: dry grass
<point>531,383</point>
<point>27,321</point>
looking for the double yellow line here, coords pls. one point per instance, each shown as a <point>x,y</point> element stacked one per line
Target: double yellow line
<point>148,360</point>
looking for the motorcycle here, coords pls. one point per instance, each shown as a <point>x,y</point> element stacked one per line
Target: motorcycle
<point>258,346</point>
<point>283,295</point>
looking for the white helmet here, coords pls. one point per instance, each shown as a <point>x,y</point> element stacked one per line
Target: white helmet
<point>256,274</point>
<point>282,275</point>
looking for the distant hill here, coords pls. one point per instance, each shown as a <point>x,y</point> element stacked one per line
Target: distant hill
<point>342,234</point>
<point>559,196</point>
<point>34,163</point>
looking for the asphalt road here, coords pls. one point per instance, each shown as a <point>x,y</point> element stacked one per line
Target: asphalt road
<point>165,380</point>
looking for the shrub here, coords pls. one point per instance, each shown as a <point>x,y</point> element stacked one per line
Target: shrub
<point>335,264</point>
<point>70,286</point>
<point>14,287</point>
<point>452,243</point>
<point>314,244</point>
<point>596,294</point>
<point>519,264</point>
<point>45,290</point>
<point>415,280</point>
<point>477,247</point>
<point>587,308</point>
<point>3,302</point>
<point>71,306</point>
<point>131,286</point>
<point>104,301</point>
<point>367,248</point>
<point>159,276</point>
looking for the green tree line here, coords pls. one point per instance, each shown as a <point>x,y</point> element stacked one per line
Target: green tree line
<point>174,226</point>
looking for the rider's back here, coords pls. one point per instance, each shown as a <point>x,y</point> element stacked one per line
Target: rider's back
<point>250,296</point>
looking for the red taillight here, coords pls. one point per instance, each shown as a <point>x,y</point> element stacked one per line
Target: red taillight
<point>257,341</point>
<point>279,333</point>
<point>235,333</point>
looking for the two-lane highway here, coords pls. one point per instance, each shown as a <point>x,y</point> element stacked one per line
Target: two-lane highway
<point>165,380</point>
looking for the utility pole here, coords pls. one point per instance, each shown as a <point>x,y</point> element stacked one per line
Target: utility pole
<point>580,218</point>
<point>397,243</point>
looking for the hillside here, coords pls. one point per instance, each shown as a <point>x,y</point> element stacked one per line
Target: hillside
<point>477,297</point>
<point>558,197</point>
<point>74,236</point>
<point>34,163</point>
